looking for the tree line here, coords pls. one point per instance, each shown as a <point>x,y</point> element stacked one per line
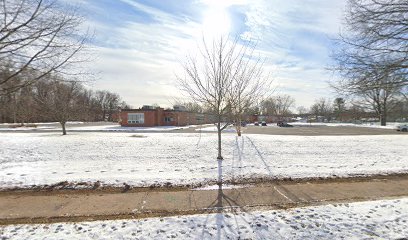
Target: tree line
<point>53,99</point>
<point>42,48</point>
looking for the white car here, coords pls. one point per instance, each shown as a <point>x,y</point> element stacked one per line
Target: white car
<point>403,128</point>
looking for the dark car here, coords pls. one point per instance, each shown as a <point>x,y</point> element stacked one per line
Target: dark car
<point>285,125</point>
<point>263,123</point>
<point>256,123</point>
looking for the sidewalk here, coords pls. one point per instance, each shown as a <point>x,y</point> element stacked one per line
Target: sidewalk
<point>93,205</point>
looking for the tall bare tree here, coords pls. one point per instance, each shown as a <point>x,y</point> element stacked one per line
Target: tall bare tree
<point>278,105</point>
<point>42,36</point>
<point>375,41</point>
<point>249,87</point>
<point>374,46</point>
<point>58,100</point>
<point>222,79</point>
<point>301,110</point>
<point>372,54</point>
<point>379,95</point>
<point>322,107</point>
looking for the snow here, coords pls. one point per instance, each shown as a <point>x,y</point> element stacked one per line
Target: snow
<point>144,159</point>
<point>109,127</point>
<point>214,129</point>
<point>42,123</point>
<point>384,219</point>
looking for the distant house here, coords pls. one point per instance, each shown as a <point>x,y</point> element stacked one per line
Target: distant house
<point>149,116</point>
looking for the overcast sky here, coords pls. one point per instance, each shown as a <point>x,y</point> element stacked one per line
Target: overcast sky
<point>139,44</point>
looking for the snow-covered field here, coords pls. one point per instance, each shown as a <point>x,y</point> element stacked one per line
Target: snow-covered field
<point>385,219</point>
<point>142,159</point>
<point>214,129</point>
<point>76,127</point>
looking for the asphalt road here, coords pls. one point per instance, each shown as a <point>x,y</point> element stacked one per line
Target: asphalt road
<point>319,130</point>
<point>310,130</point>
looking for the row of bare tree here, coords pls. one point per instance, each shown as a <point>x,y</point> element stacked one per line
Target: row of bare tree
<point>354,110</point>
<point>42,46</point>
<point>53,99</point>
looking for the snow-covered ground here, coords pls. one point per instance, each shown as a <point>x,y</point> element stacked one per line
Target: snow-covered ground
<point>214,129</point>
<point>41,123</point>
<point>110,128</point>
<point>142,159</point>
<point>385,219</point>
<point>76,127</point>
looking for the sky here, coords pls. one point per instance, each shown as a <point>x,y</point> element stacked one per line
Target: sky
<point>139,45</point>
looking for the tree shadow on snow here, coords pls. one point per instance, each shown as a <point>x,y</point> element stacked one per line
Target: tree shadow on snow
<point>278,187</point>
<point>230,204</point>
<point>229,212</point>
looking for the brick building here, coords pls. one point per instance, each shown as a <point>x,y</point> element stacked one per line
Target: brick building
<point>148,116</point>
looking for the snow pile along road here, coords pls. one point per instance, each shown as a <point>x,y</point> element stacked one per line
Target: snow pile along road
<point>154,158</point>
<point>386,219</point>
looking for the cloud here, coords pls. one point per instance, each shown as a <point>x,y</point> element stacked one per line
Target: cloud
<point>141,44</point>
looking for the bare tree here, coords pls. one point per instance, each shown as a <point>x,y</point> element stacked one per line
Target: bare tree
<point>372,57</point>
<point>322,107</point>
<point>189,106</point>
<point>221,80</point>
<point>283,104</point>
<point>278,105</point>
<point>376,39</point>
<point>41,36</point>
<point>268,106</point>
<point>375,89</point>
<point>57,100</point>
<point>301,110</point>
<point>108,104</point>
<point>249,87</point>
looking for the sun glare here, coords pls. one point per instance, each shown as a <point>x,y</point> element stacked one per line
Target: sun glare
<point>216,20</point>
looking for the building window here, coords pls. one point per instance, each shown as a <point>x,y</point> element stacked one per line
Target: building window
<point>168,119</point>
<point>199,117</point>
<point>136,118</point>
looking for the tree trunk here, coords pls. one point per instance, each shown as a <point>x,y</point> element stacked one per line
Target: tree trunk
<point>383,118</point>
<point>238,126</point>
<point>219,180</point>
<point>14,109</point>
<point>64,131</point>
<point>219,141</point>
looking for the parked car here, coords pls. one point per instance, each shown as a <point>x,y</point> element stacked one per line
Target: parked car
<point>402,128</point>
<point>285,125</point>
<point>256,123</point>
<point>263,123</point>
<point>279,123</point>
